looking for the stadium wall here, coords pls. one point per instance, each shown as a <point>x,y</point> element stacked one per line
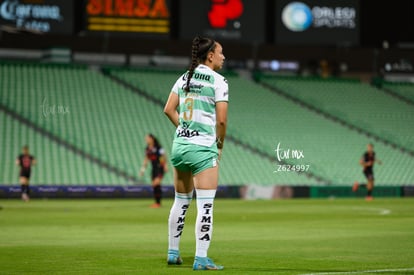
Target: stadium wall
<point>250,192</point>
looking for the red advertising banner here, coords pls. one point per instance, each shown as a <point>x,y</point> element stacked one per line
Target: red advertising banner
<point>128,16</point>
<point>237,20</point>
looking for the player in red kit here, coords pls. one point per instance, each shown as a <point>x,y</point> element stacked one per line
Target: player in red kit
<point>367,162</point>
<point>156,155</point>
<point>25,161</point>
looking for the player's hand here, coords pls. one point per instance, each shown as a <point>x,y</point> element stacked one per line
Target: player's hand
<point>141,171</point>
<point>165,169</point>
<point>219,153</point>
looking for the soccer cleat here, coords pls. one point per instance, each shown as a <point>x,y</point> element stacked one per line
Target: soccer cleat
<point>205,263</point>
<point>355,187</point>
<point>155,205</point>
<point>174,257</point>
<point>369,198</point>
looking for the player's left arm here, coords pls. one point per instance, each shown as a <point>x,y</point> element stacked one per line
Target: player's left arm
<point>222,98</point>
<point>221,123</point>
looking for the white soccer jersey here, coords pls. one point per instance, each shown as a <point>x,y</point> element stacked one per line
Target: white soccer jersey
<point>197,109</point>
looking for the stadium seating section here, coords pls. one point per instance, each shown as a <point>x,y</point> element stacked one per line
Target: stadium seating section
<point>87,127</point>
<point>360,104</point>
<point>56,164</point>
<point>404,90</point>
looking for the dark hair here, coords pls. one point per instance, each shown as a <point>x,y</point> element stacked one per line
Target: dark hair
<point>200,48</point>
<point>156,142</point>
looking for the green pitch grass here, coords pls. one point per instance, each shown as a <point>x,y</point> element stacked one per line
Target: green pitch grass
<point>344,236</point>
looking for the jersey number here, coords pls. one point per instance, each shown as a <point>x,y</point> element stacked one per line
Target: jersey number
<point>189,104</point>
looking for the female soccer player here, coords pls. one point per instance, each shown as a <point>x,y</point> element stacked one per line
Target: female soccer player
<point>201,96</point>
<point>25,161</point>
<point>155,153</point>
<point>367,162</point>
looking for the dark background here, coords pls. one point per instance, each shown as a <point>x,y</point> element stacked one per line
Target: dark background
<point>386,20</point>
<point>380,21</point>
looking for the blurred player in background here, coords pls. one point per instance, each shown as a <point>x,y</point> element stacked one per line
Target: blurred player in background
<point>201,97</point>
<point>25,161</point>
<point>155,154</point>
<point>367,162</point>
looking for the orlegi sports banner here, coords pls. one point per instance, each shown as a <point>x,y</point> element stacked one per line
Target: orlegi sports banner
<point>317,22</point>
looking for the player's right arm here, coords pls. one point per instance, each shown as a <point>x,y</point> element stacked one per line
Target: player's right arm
<point>170,108</point>
<point>362,162</point>
<point>143,166</point>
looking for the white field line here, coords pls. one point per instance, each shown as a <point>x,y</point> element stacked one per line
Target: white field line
<point>363,271</point>
<point>380,211</point>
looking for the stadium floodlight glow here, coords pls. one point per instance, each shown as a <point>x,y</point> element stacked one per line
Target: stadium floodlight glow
<point>277,65</point>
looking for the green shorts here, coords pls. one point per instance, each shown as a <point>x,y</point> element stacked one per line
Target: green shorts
<point>194,158</point>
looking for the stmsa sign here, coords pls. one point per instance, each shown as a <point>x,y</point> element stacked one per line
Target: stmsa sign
<point>151,17</point>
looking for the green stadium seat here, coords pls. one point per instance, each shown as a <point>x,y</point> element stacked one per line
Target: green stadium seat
<point>109,122</point>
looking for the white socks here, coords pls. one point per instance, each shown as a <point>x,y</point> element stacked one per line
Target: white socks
<point>204,222</point>
<point>177,218</point>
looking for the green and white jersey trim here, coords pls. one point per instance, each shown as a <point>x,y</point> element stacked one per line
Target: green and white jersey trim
<point>197,108</point>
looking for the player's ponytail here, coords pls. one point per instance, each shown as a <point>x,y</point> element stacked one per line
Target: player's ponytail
<point>200,48</point>
<point>194,61</point>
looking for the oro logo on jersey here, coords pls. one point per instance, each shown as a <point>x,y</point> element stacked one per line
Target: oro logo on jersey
<point>223,10</point>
